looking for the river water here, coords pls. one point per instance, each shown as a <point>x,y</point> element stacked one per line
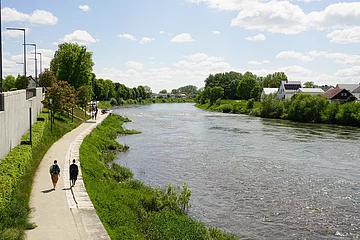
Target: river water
<point>256,178</point>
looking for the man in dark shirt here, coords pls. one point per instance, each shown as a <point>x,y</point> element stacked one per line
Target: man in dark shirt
<point>74,171</point>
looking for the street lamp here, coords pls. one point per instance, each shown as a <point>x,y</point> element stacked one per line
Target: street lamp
<point>50,114</point>
<point>22,29</point>
<point>34,45</point>
<point>1,89</point>
<point>40,61</point>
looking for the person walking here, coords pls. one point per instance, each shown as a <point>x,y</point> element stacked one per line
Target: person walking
<point>74,171</point>
<point>54,172</point>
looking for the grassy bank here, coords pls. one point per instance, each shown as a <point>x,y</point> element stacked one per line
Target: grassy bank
<point>127,208</point>
<point>17,171</point>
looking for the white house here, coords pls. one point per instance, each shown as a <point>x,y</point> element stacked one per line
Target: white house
<point>288,88</point>
<point>312,91</point>
<point>267,91</point>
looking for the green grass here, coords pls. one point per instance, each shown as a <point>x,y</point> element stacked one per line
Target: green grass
<point>128,208</point>
<point>17,171</point>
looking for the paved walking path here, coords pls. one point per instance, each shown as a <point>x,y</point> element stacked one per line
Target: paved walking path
<point>65,213</point>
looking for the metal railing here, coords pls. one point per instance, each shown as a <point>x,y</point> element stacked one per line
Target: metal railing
<point>30,92</point>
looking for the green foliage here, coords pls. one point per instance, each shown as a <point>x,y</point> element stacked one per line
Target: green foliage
<point>248,87</point>
<point>163,91</point>
<point>20,82</point>
<point>250,104</point>
<point>307,108</point>
<point>72,63</point>
<point>274,80</point>
<point>113,102</point>
<point>84,94</point>
<point>63,97</point>
<point>272,107</point>
<point>8,83</point>
<point>215,94</point>
<point>47,78</point>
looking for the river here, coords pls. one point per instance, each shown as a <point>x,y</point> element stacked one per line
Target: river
<point>256,178</point>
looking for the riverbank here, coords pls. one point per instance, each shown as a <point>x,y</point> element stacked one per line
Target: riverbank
<point>17,171</point>
<point>128,208</point>
<point>303,108</point>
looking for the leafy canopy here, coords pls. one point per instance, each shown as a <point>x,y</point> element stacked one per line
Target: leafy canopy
<point>73,63</point>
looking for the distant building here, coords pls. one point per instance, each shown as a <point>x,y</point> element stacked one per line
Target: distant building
<point>353,88</point>
<point>267,91</point>
<point>338,94</point>
<point>288,88</point>
<point>312,91</point>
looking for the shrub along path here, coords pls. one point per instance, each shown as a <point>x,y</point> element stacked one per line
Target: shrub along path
<point>55,212</point>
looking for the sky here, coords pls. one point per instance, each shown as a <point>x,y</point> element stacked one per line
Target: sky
<point>167,44</point>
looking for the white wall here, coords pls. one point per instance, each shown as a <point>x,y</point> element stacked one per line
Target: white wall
<point>14,120</point>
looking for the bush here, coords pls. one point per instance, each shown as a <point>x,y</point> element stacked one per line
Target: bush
<point>226,108</point>
<point>113,102</point>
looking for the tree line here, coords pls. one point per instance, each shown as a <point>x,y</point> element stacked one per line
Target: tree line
<point>237,86</point>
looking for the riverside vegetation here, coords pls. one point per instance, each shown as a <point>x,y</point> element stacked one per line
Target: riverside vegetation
<point>128,208</point>
<point>17,171</point>
<point>300,108</point>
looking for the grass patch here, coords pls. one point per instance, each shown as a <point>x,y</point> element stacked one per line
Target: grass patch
<point>128,208</point>
<point>17,171</point>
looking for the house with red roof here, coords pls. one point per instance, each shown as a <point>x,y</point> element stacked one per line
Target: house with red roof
<point>338,94</point>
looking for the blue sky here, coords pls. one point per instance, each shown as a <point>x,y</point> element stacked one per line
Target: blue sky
<point>166,44</point>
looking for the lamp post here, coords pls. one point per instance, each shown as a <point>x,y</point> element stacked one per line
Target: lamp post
<point>22,29</point>
<point>40,61</point>
<point>1,89</point>
<point>34,45</point>
<point>50,114</point>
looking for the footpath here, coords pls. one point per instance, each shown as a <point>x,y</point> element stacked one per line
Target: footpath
<point>64,213</point>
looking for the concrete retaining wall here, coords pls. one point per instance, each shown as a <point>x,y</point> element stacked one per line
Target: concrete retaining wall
<point>14,119</point>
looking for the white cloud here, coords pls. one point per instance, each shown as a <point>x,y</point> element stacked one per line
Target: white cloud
<point>352,73</point>
<point>161,32</point>
<point>294,55</point>
<point>258,63</point>
<point>184,37</point>
<point>79,36</point>
<point>217,33</point>
<point>36,17</point>
<point>85,8</point>
<point>227,5</point>
<point>202,57</point>
<point>295,71</point>
<point>146,40</point>
<point>347,35</point>
<point>127,36</point>
<point>276,17</point>
<point>133,64</point>
<point>259,37</point>
<point>336,16</point>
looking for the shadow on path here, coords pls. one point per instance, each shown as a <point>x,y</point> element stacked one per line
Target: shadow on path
<point>47,191</point>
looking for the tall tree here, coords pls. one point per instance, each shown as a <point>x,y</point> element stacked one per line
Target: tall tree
<point>9,83</point>
<point>72,63</point>
<point>63,97</point>
<point>19,82</point>
<point>216,93</point>
<point>84,94</point>
<point>47,78</point>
